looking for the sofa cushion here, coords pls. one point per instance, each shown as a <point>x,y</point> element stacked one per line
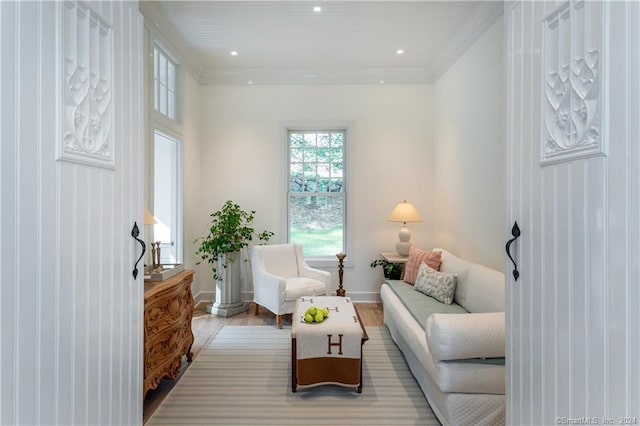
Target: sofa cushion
<point>478,288</point>
<point>419,305</point>
<point>465,336</point>
<point>439,285</point>
<point>416,257</point>
<point>469,376</point>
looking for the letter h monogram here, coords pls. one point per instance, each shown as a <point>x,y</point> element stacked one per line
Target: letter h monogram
<point>339,344</point>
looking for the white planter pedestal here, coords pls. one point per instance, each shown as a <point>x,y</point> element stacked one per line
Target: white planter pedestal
<point>228,302</point>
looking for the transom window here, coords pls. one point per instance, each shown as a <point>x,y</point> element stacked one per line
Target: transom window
<point>164,83</point>
<point>316,189</point>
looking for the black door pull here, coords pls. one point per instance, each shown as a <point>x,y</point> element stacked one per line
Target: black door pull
<point>135,232</point>
<point>515,231</point>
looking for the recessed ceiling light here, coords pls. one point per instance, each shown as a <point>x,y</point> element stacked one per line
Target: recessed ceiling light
<point>249,82</point>
<point>399,51</point>
<point>317,9</point>
<point>381,81</point>
<point>234,53</point>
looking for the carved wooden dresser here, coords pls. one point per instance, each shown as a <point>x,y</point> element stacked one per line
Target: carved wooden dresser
<point>168,310</point>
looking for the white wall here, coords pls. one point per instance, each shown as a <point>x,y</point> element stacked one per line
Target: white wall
<point>242,158</point>
<point>192,179</point>
<point>189,132</point>
<point>468,154</point>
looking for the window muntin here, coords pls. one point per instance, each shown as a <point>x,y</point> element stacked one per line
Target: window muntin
<point>164,83</point>
<point>316,189</point>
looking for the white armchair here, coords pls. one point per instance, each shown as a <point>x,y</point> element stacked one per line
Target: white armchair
<point>281,276</point>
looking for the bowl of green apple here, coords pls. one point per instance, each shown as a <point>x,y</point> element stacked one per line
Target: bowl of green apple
<point>315,315</point>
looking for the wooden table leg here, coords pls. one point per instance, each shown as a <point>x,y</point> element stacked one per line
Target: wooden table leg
<point>294,369</point>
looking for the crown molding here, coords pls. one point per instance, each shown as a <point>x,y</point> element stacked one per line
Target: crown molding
<point>304,76</point>
<point>161,29</point>
<point>484,17</point>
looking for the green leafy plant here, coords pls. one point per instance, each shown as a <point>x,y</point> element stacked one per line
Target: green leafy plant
<point>230,230</point>
<point>392,271</point>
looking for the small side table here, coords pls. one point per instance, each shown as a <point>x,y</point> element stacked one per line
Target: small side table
<point>394,257</point>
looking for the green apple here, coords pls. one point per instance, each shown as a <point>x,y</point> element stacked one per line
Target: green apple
<point>326,312</point>
<point>311,310</point>
<point>308,318</point>
<point>319,316</point>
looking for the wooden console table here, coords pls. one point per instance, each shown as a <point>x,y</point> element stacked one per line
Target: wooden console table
<point>168,310</point>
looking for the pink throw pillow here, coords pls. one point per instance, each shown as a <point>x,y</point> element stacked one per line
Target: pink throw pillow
<point>416,257</point>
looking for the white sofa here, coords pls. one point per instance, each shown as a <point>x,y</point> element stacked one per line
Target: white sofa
<point>456,352</point>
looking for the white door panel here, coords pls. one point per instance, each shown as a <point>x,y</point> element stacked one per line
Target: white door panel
<point>70,191</point>
<point>573,136</point>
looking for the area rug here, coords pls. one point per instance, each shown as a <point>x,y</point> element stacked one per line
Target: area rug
<point>244,377</point>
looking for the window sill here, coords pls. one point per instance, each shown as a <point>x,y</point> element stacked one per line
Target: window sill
<point>326,262</point>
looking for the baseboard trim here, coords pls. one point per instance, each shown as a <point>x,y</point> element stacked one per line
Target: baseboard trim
<point>204,297</point>
<point>364,296</point>
<point>247,296</point>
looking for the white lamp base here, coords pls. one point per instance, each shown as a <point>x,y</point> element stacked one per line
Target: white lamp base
<point>402,246</point>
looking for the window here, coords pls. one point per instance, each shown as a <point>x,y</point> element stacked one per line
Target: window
<point>166,196</point>
<point>316,191</point>
<point>165,151</point>
<point>164,83</point>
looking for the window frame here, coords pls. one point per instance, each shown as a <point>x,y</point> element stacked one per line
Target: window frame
<point>175,124</point>
<point>156,121</point>
<point>179,187</point>
<point>319,127</point>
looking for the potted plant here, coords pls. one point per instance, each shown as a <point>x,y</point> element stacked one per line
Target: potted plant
<point>231,229</point>
<point>391,271</point>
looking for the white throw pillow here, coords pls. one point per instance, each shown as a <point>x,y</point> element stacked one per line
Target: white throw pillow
<point>436,284</point>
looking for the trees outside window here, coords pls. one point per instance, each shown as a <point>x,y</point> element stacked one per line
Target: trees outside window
<point>316,191</point>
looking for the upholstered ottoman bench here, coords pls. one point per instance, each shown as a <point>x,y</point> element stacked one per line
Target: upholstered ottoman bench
<point>329,352</point>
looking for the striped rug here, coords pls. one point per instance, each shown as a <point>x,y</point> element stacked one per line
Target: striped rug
<point>244,377</point>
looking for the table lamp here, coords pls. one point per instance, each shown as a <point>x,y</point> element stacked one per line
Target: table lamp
<point>404,212</point>
<point>150,219</point>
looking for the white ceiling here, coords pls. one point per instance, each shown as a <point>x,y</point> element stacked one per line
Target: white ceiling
<point>283,42</point>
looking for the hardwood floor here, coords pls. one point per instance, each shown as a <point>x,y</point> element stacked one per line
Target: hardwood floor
<point>205,326</point>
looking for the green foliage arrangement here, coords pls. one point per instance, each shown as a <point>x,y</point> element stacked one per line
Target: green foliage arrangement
<point>391,271</point>
<point>230,230</point>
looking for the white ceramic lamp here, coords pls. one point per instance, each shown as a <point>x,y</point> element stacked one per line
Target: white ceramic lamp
<point>404,212</point>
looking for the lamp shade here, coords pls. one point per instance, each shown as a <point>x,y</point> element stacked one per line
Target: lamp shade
<point>404,212</point>
<point>149,219</point>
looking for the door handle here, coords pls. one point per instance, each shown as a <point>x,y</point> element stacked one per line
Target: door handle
<point>135,232</point>
<point>515,231</point>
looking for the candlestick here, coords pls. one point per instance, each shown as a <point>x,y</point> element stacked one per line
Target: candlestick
<point>153,255</point>
<point>341,291</point>
<point>156,260</point>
